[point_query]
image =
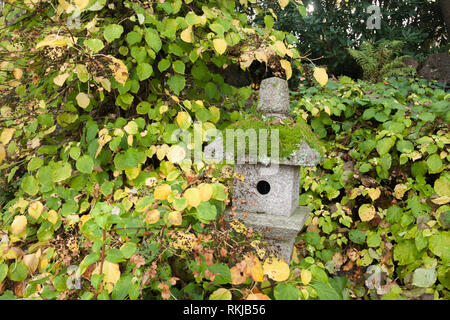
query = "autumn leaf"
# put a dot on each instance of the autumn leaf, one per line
(283, 3)
(35, 209)
(6, 135)
(162, 192)
(83, 100)
(366, 212)
(399, 191)
(119, 69)
(237, 277)
(19, 224)
(320, 74)
(220, 45)
(175, 218)
(206, 191)
(111, 272)
(2, 153)
(306, 276)
(152, 217)
(257, 296)
(276, 269)
(53, 40)
(60, 79)
(374, 194)
(186, 35)
(176, 154)
(287, 68)
(193, 197)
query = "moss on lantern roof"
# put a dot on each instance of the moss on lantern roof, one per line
(291, 134)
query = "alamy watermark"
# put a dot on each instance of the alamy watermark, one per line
(374, 21)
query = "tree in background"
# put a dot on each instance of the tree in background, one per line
(328, 27)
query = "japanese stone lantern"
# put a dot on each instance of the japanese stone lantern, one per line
(266, 198)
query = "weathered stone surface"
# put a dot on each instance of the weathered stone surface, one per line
(437, 67)
(274, 97)
(279, 230)
(304, 156)
(272, 189)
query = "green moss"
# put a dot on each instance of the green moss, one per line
(291, 134)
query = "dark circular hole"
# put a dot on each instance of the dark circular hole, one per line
(263, 187)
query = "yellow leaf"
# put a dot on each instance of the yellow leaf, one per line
(176, 154)
(152, 217)
(119, 69)
(306, 276)
(162, 192)
(374, 193)
(193, 197)
(206, 191)
(53, 40)
(2, 153)
(81, 4)
(399, 191)
(283, 3)
(186, 34)
(257, 296)
(83, 100)
(7, 135)
(111, 272)
(279, 45)
(162, 151)
(254, 268)
(35, 209)
(287, 67)
(441, 200)
(184, 120)
(52, 216)
(220, 45)
(366, 212)
(175, 218)
(320, 74)
(60, 79)
(276, 269)
(31, 261)
(17, 73)
(19, 224)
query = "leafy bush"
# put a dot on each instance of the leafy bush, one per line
(380, 199)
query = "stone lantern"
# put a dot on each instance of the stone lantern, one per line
(266, 198)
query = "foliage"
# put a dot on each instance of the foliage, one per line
(325, 32)
(101, 204)
(102, 201)
(381, 61)
(380, 199)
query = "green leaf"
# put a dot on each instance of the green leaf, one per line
(326, 291)
(384, 145)
(178, 66)
(439, 244)
(144, 71)
(176, 83)
(206, 211)
(128, 249)
(434, 163)
(357, 236)
(133, 37)
(85, 164)
(223, 274)
(3, 271)
(163, 65)
(153, 40)
(30, 185)
(220, 294)
(18, 271)
(424, 278)
(405, 252)
(94, 44)
(286, 291)
(121, 288)
(112, 32)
